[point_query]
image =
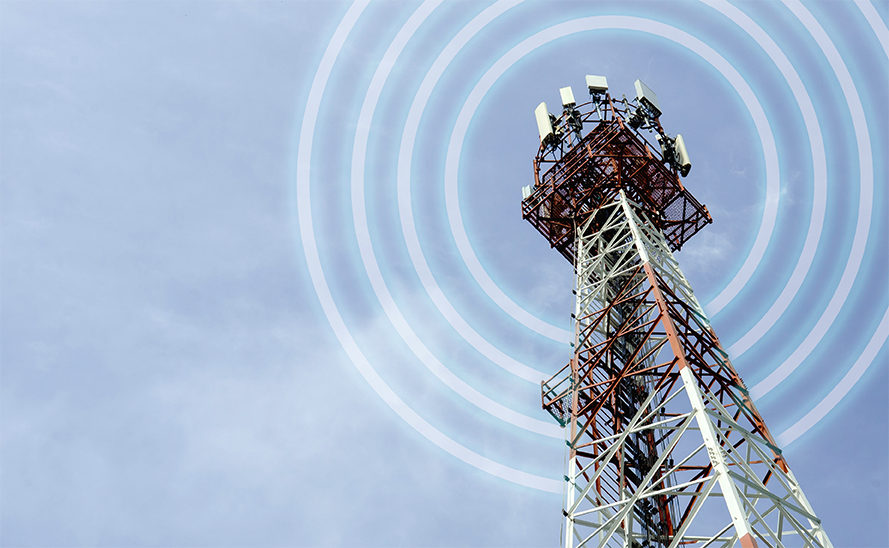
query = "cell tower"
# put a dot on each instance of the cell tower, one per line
(665, 445)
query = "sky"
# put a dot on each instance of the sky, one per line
(264, 279)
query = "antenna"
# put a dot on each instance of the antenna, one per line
(647, 98)
(567, 97)
(681, 156)
(544, 124)
(596, 84)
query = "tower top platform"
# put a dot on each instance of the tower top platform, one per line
(584, 171)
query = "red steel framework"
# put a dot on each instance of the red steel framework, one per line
(647, 368)
(590, 172)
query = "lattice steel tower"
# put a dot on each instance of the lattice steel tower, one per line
(666, 447)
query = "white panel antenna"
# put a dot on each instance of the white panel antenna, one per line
(682, 159)
(544, 125)
(596, 84)
(567, 97)
(647, 98)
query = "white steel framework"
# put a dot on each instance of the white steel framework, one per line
(666, 448)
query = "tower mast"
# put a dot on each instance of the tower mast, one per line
(666, 447)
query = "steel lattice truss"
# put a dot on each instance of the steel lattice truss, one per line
(666, 447)
(610, 157)
(658, 420)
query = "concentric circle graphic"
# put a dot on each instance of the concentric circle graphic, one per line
(418, 134)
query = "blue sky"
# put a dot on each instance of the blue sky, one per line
(264, 279)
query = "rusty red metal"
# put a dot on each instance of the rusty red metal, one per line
(611, 157)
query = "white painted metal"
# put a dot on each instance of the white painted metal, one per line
(717, 455)
(731, 503)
